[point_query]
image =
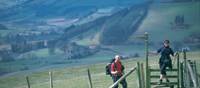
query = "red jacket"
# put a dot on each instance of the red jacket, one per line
(117, 66)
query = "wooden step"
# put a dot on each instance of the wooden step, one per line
(168, 76)
(163, 86)
(157, 70)
(164, 83)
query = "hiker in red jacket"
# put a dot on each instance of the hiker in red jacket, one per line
(117, 71)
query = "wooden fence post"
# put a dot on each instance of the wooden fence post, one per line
(28, 83)
(186, 72)
(50, 80)
(90, 79)
(196, 73)
(143, 76)
(178, 67)
(181, 74)
(139, 74)
(191, 74)
(146, 35)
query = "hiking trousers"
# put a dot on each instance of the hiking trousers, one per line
(123, 82)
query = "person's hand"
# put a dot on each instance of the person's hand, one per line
(173, 60)
(153, 53)
(116, 72)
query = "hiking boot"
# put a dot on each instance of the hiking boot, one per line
(160, 82)
(167, 80)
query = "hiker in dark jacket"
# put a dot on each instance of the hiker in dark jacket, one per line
(165, 60)
(117, 71)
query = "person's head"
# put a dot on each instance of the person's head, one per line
(117, 58)
(166, 43)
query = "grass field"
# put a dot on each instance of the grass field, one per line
(65, 76)
(76, 77)
(161, 15)
(158, 21)
(38, 59)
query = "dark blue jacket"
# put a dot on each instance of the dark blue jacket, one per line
(165, 54)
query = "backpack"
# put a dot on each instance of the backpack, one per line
(108, 67)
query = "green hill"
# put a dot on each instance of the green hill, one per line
(29, 10)
(160, 19)
(76, 77)
(109, 30)
(119, 27)
(157, 23)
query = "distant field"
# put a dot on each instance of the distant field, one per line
(157, 23)
(12, 30)
(76, 77)
(73, 74)
(42, 59)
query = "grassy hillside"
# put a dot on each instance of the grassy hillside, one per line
(109, 30)
(159, 20)
(120, 26)
(161, 15)
(158, 14)
(76, 77)
(157, 23)
(40, 9)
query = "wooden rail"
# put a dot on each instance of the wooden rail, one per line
(50, 80)
(90, 78)
(192, 74)
(28, 83)
(123, 77)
